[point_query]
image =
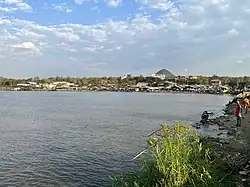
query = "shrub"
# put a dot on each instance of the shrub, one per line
(175, 158)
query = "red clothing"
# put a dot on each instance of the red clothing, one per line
(238, 110)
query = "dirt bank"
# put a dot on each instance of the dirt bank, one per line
(232, 143)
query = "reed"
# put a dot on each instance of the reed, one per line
(176, 157)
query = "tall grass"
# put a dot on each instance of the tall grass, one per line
(176, 158)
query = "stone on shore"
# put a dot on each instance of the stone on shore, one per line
(222, 128)
(233, 150)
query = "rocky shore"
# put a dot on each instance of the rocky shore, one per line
(231, 143)
(223, 153)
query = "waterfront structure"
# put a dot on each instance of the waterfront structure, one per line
(29, 84)
(62, 85)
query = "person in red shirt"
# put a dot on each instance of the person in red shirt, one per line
(238, 113)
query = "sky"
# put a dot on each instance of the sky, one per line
(80, 38)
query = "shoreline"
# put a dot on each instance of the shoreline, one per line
(225, 162)
(231, 142)
(94, 91)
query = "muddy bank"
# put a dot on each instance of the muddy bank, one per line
(222, 126)
(231, 143)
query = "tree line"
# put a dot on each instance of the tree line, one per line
(129, 81)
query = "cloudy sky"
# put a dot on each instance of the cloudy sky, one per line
(117, 37)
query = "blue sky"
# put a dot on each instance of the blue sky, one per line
(117, 37)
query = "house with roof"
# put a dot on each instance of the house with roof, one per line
(29, 85)
(175, 88)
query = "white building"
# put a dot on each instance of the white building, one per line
(161, 76)
(215, 82)
(29, 84)
(141, 84)
(62, 84)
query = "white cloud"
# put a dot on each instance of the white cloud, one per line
(10, 6)
(61, 7)
(158, 4)
(203, 35)
(23, 6)
(80, 1)
(114, 3)
(24, 45)
(239, 61)
(28, 49)
(66, 47)
(11, 1)
(233, 32)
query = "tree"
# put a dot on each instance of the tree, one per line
(242, 85)
(233, 83)
(36, 79)
(7, 83)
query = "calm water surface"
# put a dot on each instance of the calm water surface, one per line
(80, 139)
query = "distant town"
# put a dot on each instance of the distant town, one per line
(161, 81)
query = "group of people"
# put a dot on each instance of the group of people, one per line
(240, 105)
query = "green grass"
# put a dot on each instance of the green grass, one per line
(177, 158)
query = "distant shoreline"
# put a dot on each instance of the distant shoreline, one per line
(167, 92)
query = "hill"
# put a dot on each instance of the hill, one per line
(166, 73)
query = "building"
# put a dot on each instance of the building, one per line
(192, 77)
(175, 88)
(63, 83)
(60, 85)
(29, 85)
(215, 82)
(141, 84)
(158, 76)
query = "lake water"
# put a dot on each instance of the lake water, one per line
(80, 139)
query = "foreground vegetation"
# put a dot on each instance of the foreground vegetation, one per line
(177, 157)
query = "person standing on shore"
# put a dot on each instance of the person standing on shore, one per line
(245, 104)
(238, 113)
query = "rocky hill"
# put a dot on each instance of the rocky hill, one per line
(165, 72)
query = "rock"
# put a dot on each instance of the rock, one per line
(242, 142)
(219, 134)
(231, 132)
(243, 180)
(210, 123)
(243, 172)
(223, 141)
(234, 127)
(222, 128)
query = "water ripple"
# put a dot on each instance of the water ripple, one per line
(80, 139)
